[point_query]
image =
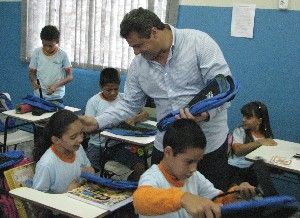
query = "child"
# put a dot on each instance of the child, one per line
(50, 68)
(60, 157)
(108, 96)
(175, 188)
(255, 132)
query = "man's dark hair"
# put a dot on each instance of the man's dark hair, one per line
(140, 21)
(184, 134)
(50, 33)
(109, 75)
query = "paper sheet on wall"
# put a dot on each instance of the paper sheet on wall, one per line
(242, 21)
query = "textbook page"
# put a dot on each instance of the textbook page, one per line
(100, 196)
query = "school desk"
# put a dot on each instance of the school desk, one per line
(27, 118)
(282, 156)
(142, 142)
(60, 203)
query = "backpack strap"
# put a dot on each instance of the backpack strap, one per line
(243, 206)
(118, 184)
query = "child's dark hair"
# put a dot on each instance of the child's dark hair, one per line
(259, 110)
(50, 33)
(109, 75)
(184, 134)
(56, 126)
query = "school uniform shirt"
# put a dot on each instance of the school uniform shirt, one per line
(54, 175)
(49, 70)
(239, 136)
(95, 106)
(194, 59)
(167, 202)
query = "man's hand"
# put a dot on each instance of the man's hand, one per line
(186, 114)
(131, 121)
(199, 207)
(90, 124)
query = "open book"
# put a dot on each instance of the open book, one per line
(100, 196)
(18, 177)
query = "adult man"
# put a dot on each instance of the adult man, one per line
(172, 66)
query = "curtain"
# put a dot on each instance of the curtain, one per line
(89, 28)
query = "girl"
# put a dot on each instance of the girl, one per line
(60, 157)
(255, 132)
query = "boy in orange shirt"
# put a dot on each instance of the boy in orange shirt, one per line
(175, 188)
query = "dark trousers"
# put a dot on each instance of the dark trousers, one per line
(214, 166)
(239, 175)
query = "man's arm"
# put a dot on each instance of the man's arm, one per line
(140, 117)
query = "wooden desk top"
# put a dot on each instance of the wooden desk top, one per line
(132, 139)
(28, 117)
(280, 156)
(59, 202)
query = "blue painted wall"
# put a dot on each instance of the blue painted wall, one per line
(14, 73)
(267, 66)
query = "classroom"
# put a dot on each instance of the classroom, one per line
(267, 66)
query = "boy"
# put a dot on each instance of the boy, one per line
(108, 96)
(175, 188)
(50, 68)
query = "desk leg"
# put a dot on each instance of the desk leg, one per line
(103, 157)
(38, 129)
(145, 150)
(4, 148)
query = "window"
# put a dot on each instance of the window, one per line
(89, 28)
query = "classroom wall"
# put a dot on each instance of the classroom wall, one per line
(267, 66)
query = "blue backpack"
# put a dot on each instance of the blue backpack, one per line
(219, 90)
(10, 158)
(49, 106)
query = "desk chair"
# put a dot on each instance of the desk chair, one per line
(12, 136)
(108, 164)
